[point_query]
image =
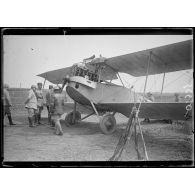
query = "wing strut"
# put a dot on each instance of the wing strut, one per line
(149, 60)
(120, 79)
(162, 86)
(44, 83)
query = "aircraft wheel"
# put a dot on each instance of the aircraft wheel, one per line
(69, 118)
(108, 123)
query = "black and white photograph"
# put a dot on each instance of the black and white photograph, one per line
(77, 98)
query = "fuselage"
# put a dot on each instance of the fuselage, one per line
(111, 97)
(83, 91)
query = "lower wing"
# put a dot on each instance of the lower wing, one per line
(173, 111)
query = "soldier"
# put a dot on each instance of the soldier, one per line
(176, 97)
(7, 104)
(48, 102)
(40, 103)
(57, 104)
(31, 106)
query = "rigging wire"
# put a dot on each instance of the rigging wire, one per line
(174, 80)
(154, 82)
(131, 84)
(171, 82)
(153, 85)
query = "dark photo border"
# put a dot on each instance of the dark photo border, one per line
(89, 31)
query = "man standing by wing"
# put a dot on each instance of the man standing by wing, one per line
(7, 104)
(31, 106)
(40, 102)
(48, 102)
(57, 104)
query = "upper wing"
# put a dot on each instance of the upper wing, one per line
(56, 76)
(174, 111)
(168, 58)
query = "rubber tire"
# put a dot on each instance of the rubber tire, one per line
(107, 128)
(69, 116)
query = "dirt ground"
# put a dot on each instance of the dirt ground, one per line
(85, 142)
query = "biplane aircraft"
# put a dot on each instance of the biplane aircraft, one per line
(89, 83)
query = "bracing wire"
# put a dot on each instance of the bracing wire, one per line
(174, 80)
(154, 82)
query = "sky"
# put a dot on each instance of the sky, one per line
(26, 56)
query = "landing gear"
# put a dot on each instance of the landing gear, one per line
(107, 123)
(69, 120)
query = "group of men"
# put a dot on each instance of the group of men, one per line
(54, 101)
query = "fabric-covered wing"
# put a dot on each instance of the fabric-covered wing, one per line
(168, 58)
(56, 76)
(173, 111)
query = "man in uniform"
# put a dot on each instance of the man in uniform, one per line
(176, 97)
(40, 102)
(57, 104)
(48, 102)
(31, 106)
(7, 104)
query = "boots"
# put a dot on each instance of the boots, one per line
(35, 117)
(10, 120)
(39, 119)
(58, 128)
(49, 118)
(31, 122)
(52, 123)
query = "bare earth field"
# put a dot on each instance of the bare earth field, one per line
(85, 142)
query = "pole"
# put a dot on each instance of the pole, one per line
(162, 86)
(144, 145)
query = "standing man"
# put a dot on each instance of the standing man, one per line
(31, 106)
(176, 97)
(40, 102)
(57, 104)
(48, 102)
(7, 104)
